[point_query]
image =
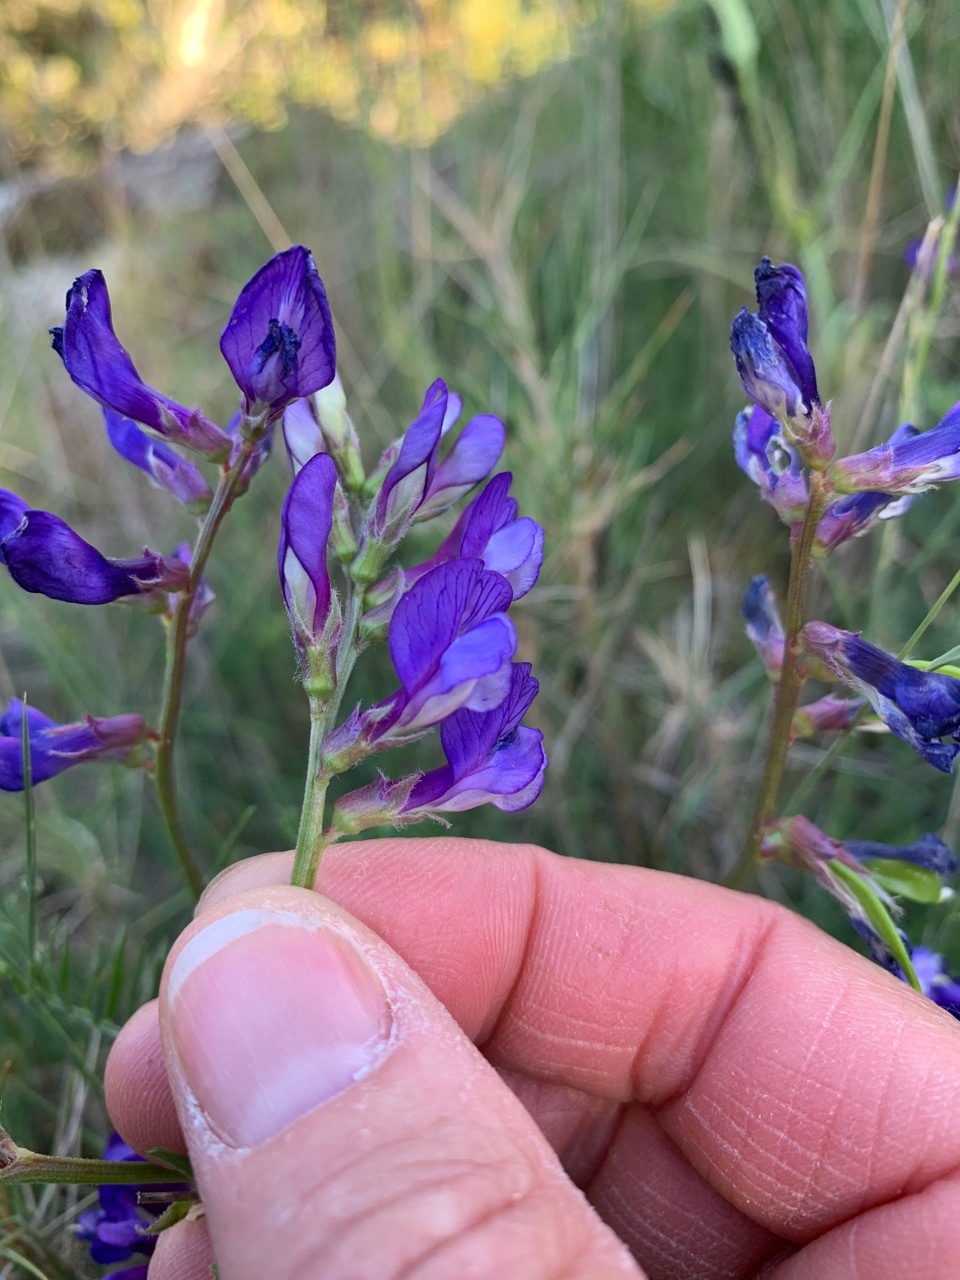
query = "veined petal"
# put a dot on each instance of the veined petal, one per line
(409, 478)
(279, 340)
(490, 759)
(471, 460)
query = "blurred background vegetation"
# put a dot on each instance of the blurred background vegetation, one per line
(556, 207)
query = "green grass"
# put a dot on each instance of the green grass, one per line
(568, 256)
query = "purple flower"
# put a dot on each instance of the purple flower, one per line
(43, 554)
(931, 970)
(853, 515)
(409, 478)
(56, 747)
(279, 340)
(929, 852)
(471, 460)
(451, 643)
(490, 758)
(764, 628)
(305, 524)
(162, 464)
(100, 366)
(119, 1228)
(489, 530)
(921, 707)
(770, 462)
(908, 463)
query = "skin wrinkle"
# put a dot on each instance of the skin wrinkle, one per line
(751, 1135)
(361, 1220)
(749, 959)
(517, 1201)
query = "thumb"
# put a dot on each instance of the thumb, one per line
(340, 1123)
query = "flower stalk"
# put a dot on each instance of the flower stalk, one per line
(178, 631)
(789, 684)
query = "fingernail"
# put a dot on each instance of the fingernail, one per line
(271, 1014)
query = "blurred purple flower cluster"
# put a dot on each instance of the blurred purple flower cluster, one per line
(784, 443)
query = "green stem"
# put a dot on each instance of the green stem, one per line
(310, 846)
(172, 699)
(312, 840)
(788, 686)
(17, 1164)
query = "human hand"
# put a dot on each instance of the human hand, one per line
(736, 1093)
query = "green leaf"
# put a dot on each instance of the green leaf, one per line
(173, 1160)
(877, 915)
(905, 879)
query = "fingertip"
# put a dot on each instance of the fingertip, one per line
(183, 1252)
(136, 1087)
(252, 873)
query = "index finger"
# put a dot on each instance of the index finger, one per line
(800, 1080)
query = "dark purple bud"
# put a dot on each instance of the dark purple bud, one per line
(451, 643)
(764, 371)
(162, 464)
(490, 758)
(408, 481)
(56, 747)
(910, 462)
(279, 340)
(43, 554)
(764, 628)
(305, 525)
(471, 460)
(100, 366)
(782, 299)
(771, 463)
(920, 707)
